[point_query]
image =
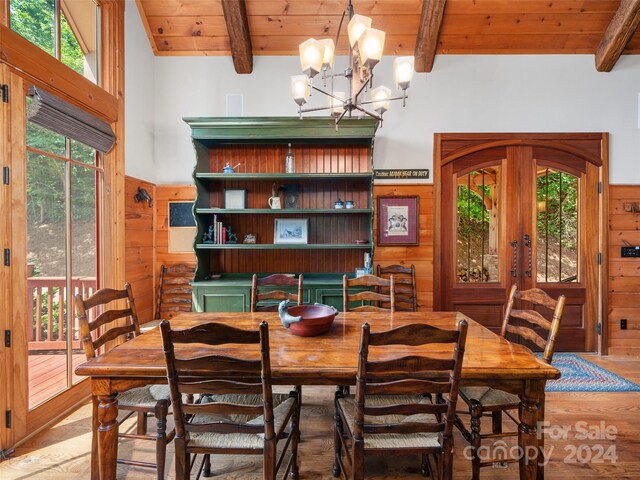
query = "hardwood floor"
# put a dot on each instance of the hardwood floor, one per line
(48, 375)
(62, 452)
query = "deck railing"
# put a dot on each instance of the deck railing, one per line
(46, 299)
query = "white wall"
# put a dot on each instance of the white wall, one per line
(139, 98)
(464, 93)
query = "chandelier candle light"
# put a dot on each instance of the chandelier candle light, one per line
(365, 51)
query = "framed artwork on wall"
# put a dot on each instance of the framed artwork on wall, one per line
(398, 220)
(291, 230)
(235, 198)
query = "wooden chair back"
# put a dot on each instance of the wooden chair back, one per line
(174, 290)
(405, 286)
(258, 295)
(218, 374)
(374, 296)
(534, 322)
(409, 374)
(102, 317)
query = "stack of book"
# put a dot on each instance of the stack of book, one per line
(219, 232)
(216, 233)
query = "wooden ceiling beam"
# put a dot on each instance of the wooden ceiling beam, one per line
(622, 27)
(428, 33)
(235, 16)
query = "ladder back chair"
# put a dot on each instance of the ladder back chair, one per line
(405, 286)
(236, 412)
(487, 401)
(174, 290)
(263, 295)
(373, 298)
(391, 412)
(144, 401)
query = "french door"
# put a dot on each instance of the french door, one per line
(523, 209)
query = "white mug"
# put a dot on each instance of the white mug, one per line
(274, 202)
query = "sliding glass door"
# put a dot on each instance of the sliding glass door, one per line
(63, 179)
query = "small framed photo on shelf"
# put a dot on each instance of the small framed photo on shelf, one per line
(398, 220)
(291, 230)
(235, 198)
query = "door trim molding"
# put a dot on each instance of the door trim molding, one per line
(521, 142)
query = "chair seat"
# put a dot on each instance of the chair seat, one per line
(349, 408)
(145, 397)
(490, 397)
(283, 406)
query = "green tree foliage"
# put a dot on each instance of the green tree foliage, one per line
(558, 220)
(35, 21)
(48, 177)
(473, 217)
(558, 192)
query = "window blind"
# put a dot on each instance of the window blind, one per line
(57, 115)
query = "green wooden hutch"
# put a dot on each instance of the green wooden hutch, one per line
(329, 165)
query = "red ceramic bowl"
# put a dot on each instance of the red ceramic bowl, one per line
(316, 319)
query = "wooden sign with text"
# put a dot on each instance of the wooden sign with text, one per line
(395, 174)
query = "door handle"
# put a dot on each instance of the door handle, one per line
(514, 270)
(527, 244)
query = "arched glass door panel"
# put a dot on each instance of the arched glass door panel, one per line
(477, 258)
(557, 222)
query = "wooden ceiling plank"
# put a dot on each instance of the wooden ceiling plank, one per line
(520, 42)
(333, 7)
(622, 27)
(396, 44)
(173, 8)
(428, 33)
(147, 26)
(305, 25)
(235, 14)
(190, 25)
(530, 23)
(317, 27)
(267, 45)
(489, 7)
(517, 44)
(194, 45)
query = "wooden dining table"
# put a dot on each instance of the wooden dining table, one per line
(329, 359)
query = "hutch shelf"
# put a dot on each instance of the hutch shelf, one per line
(329, 165)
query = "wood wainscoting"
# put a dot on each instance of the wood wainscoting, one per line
(140, 247)
(420, 255)
(624, 273)
(138, 263)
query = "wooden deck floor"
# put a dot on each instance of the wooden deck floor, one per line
(62, 452)
(48, 375)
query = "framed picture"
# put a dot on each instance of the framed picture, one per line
(235, 198)
(182, 227)
(291, 230)
(398, 220)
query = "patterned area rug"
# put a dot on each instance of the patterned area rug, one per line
(580, 375)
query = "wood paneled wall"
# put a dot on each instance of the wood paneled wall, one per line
(624, 273)
(140, 247)
(421, 255)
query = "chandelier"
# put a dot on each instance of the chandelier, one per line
(365, 51)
